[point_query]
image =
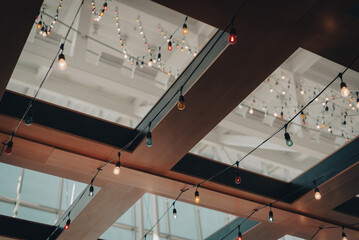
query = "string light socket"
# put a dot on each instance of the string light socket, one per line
(9, 146)
(91, 191)
(117, 170)
(181, 104)
(271, 218)
(149, 139)
(287, 138)
(343, 86)
(232, 39)
(67, 225)
(317, 194)
(174, 213)
(239, 237)
(196, 196)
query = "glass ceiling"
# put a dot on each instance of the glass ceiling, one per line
(288, 237)
(192, 222)
(35, 196)
(328, 123)
(104, 77)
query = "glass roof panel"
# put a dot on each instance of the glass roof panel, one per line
(328, 123)
(35, 196)
(105, 77)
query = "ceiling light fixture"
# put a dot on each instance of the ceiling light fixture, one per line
(62, 62)
(116, 170)
(181, 104)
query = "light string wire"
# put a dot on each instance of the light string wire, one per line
(289, 121)
(195, 186)
(323, 228)
(43, 81)
(266, 140)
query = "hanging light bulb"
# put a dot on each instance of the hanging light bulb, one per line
(275, 114)
(237, 178)
(38, 26)
(150, 63)
(9, 146)
(302, 115)
(138, 19)
(174, 213)
(239, 237)
(283, 92)
(271, 218)
(251, 111)
(28, 117)
(116, 170)
(288, 141)
(105, 6)
(344, 236)
(329, 128)
(67, 225)
(317, 194)
(281, 115)
(91, 191)
(61, 64)
(357, 104)
(196, 197)
(159, 55)
(102, 12)
(271, 90)
(170, 46)
(344, 89)
(184, 29)
(232, 39)
(149, 139)
(181, 104)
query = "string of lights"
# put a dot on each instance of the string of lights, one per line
(343, 235)
(44, 29)
(28, 114)
(181, 105)
(345, 93)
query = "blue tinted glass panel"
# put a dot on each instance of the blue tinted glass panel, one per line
(9, 177)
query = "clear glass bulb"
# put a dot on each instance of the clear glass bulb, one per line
(345, 91)
(251, 111)
(62, 64)
(116, 170)
(317, 195)
(357, 105)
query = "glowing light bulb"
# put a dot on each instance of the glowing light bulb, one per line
(105, 6)
(196, 197)
(344, 90)
(181, 104)
(318, 126)
(174, 213)
(67, 225)
(232, 39)
(185, 30)
(169, 46)
(150, 63)
(39, 25)
(283, 92)
(317, 194)
(149, 139)
(237, 178)
(357, 105)
(117, 170)
(159, 57)
(344, 237)
(323, 125)
(271, 90)
(251, 110)
(8, 149)
(61, 64)
(275, 114)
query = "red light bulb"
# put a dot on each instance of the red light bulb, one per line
(237, 178)
(8, 149)
(169, 46)
(67, 225)
(105, 6)
(232, 39)
(281, 115)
